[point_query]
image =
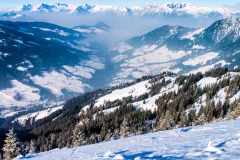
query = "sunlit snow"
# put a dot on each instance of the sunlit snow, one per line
(212, 141)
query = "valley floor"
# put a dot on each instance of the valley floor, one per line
(219, 140)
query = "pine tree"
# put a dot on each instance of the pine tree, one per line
(23, 148)
(115, 134)
(32, 147)
(218, 111)
(104, 130)
(124, 128)
(183, 120)
(144, 102)
(166, 121)
(60, 142)
(68, 144)
(201, 111)
(99, 138)
(235, 113)
(192, 116)
(108, 136)
(78, 136)
(201, 119)
(93, 138)
(11, 147)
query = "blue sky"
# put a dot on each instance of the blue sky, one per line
(208, 3)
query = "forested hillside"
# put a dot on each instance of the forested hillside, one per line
(178, 101)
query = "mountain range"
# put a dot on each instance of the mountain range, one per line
(67, 82)
(178, 49)
(43, 64)
(167, 10)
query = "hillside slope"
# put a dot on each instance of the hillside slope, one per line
(42, 63)
(162, 102)
(212, 141)
(178, 49)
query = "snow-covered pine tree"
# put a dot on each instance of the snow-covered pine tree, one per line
(23, 148)
(68, 145)
(115, 134)
(32, 147)
(93, 138)
(124, 128)
(99, 138)
(201, 119)
(166, 121)
(11, 147)
(183, 120)
(109, 135)
(235, 113)
(78, 136)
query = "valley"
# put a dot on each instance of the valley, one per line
(129, 75)
(55, 74)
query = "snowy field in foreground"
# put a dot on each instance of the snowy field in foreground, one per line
(220, 140)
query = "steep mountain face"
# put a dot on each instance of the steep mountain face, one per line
(178, 49)
(41, 62)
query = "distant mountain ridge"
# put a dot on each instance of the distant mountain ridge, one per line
(152, 10)
(97, 28)
(178, 49)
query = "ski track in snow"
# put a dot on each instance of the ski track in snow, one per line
(218, 140)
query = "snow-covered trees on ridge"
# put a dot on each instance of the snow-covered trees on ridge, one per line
(189, 105)
(11, 148)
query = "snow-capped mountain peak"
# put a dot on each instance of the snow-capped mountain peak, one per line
(226, 27)
(178, 5)
(81, 8)
(152, 9)
(57, 7)
(26, 7)
(43, 8)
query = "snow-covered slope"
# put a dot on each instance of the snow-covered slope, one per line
(32, 117)
(149, 103)
(219, 140)
(178, 49)
(136, 90)
(41, 63)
